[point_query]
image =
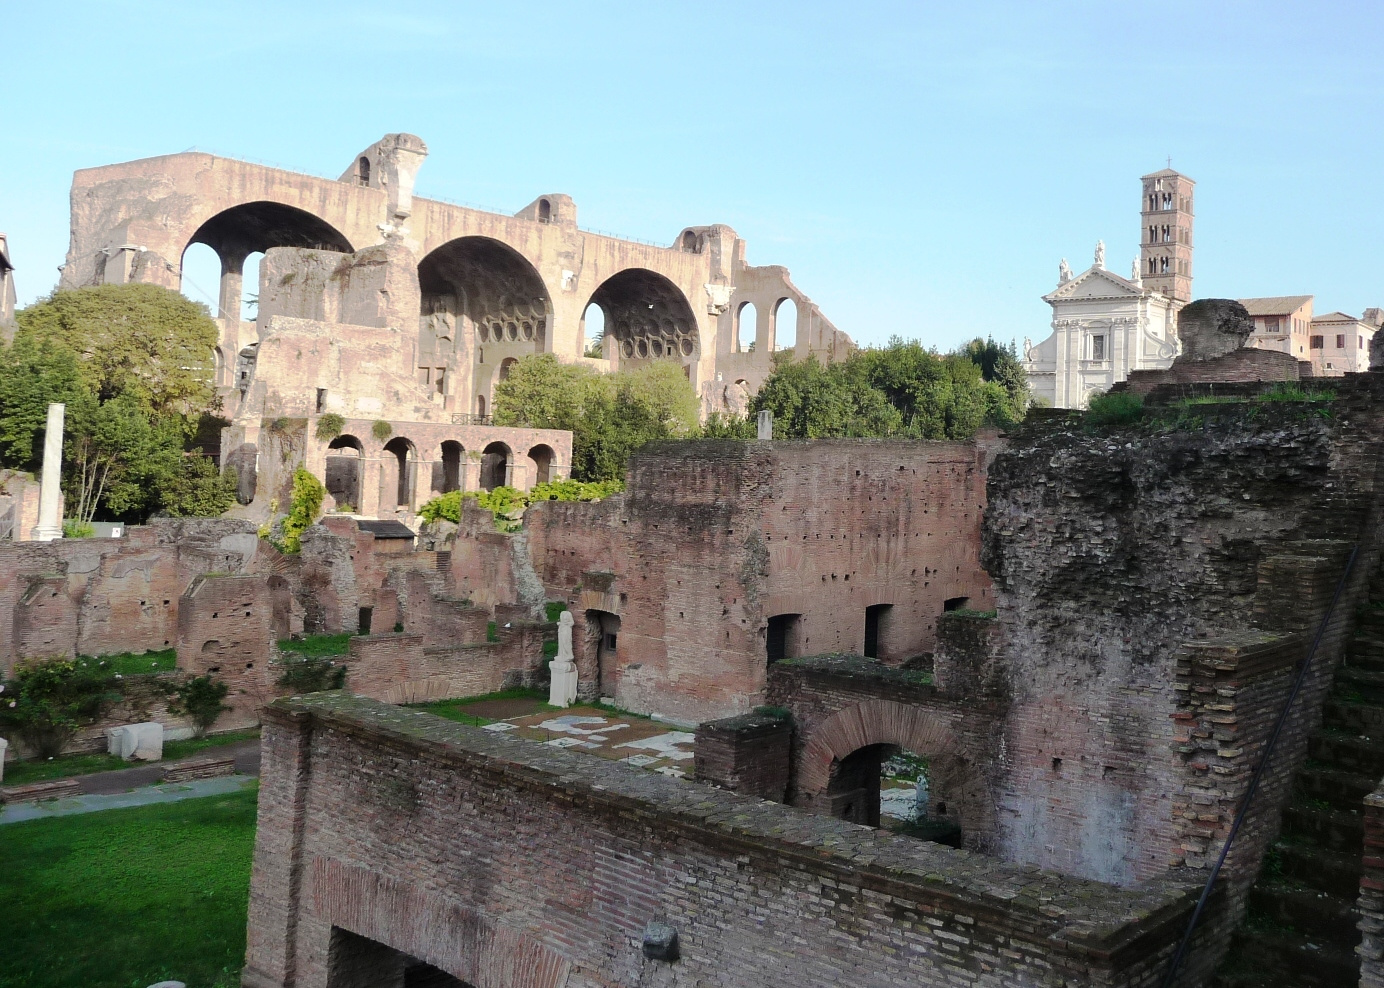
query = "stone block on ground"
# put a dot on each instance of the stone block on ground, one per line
(143, 742)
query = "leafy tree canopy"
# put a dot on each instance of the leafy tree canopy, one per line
(132, 363)
(609, 415)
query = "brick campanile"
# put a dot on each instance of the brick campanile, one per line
(1165, 237)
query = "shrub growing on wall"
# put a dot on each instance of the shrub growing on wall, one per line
(506, 502)
(381, 430)
(329, 426)
(1119, 408)
(308, 493)
(200, 699)
(46, 703)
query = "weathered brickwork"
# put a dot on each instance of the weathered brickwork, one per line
(101, 596)
(716, 547)
(749, 754)
(507, 863)
(1371, 902)
(406, 668)
(225, 630)
(1244, 365)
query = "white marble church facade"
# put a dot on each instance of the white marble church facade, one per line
(1103, 327)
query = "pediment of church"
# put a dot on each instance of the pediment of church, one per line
(1096, 283)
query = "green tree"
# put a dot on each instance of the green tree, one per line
(199, 489)
(47, 702)
(201, 699)
(118, 455)
(1000, 365)
(136, 341)
(34, 372)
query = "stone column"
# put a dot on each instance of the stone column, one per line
(764, 426)
(3, 745)
(50, 496)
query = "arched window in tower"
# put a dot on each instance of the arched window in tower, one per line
(545, 211)
(363, 170)
(689, 242)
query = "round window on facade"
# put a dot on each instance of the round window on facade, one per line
(528, 330)
(511, 331)
(656, 348)
(686, 347)
(627, 348)
(642, 348)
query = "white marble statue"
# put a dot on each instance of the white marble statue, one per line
(1064, 272)
(1100, 254)
(562, 686)
(1134, 274)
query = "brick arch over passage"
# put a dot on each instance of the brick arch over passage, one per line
(914, 728)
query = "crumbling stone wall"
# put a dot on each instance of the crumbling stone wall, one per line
(405, 668)
(402, 828)
(1129, 565)
(102, 596)
(1371, 901)
(712, 539)
(225, 630)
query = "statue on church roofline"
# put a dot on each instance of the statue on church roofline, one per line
(1100, 255)
(1134, 274)
(1064, 272)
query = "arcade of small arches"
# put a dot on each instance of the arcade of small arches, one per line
(397, 474)
(755, 335)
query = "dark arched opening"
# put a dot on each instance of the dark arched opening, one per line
(647, 318)
(542, 457)
(886, 785)
(689, 241)
(495, 461)
(545, 211)
(483, 287)
(506, 366)
(405, 462)
(452, 453)
(363, 170)
(783, 637)
(344, 471)
(602, 636)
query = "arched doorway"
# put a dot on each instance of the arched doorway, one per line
(542, 457)
(452, 458)
(344, 472)
(403, 459)
(495, 461)
(602, 641)
(647, 318)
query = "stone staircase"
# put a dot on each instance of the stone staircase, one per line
(1300, 931)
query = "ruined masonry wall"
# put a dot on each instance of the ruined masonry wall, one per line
(393, 824)
(725, 535)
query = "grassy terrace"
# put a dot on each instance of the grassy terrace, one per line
(127, 898)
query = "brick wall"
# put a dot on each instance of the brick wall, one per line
(225, 630)
(749, 754)
(112, 595)
(510, 863)
(408, 668)
(1371, 901)
(1245, 364)
(712, 539)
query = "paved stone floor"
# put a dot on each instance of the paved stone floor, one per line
(637, 741)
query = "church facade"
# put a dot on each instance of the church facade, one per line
(1105, 326)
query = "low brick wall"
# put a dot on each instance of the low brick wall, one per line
(490, 856)
(37, 791)
(403, 668)
(749, 754)
(1244, 365)
(199, 768)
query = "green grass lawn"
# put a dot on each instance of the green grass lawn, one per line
(126, 898)
(22, 773)
(315, 645)
(130, 664)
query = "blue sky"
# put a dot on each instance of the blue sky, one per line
(920, 168)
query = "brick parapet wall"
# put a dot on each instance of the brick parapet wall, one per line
(750, 754)
(1371, 901)
(403, 828)
(1240, 366)
(406, 668)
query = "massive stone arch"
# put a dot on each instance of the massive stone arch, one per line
(647, 317)
(481, 297)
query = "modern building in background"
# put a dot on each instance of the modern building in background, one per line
(1282, 323)
(1340, 344)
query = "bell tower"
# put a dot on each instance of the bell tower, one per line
(1165, 236)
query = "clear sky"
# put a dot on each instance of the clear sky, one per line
(920, 168)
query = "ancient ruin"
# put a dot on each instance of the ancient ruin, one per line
(387, 309)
